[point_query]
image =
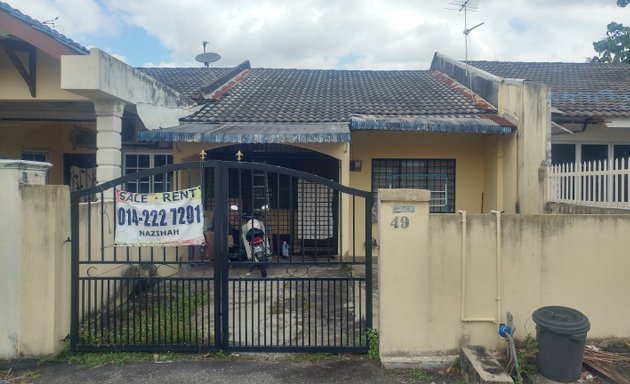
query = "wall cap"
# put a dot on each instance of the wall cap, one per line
(24, 165)
(418, 195)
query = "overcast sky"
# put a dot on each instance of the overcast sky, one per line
(343, 34)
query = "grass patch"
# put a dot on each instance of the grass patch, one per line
(419, 376)
(316, 357)
(162, 314)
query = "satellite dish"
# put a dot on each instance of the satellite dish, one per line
(207, 57)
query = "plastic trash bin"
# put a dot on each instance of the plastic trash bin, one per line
(561, 336)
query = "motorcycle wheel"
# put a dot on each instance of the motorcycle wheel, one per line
(263, 271)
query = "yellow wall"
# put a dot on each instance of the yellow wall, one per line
(544, 260)
(48, 85)
(50, 137)
(468, 150)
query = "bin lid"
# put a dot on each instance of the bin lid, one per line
(561, 320)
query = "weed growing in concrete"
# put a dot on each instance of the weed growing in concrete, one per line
(372, 339)
(420, 377)
(526, 354)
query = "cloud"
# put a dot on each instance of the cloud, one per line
(372, 34)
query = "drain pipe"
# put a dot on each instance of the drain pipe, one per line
(498, 263)
(463, 317)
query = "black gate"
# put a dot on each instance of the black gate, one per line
(309, 290)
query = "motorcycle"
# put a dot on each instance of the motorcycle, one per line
(254, 240)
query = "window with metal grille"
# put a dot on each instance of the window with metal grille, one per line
(135, 162)
(436, 175)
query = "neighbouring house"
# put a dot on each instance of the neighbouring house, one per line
(54, 112)
(590, 117)
(590, 106)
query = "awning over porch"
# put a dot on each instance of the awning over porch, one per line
(255, 133)
(482, 124)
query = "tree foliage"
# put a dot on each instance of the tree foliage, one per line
(615, 47)
(622, 3)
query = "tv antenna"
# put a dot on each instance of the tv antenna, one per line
(51, 22)
(207, 57)
(467, 6)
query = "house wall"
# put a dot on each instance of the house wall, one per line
(544, 260)
(48, 79)
(50, 137)
(527, 154)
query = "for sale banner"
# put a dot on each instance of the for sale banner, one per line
(159, 219)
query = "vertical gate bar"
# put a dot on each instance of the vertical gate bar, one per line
(328, 311)
(178, 292)
(334, 312)
(303, 316)
(277, 242)
(347, 312)
(88, 232)
(278, 319)
(114, 323)
(246, 311)
(196, 310)
(159, 309)
(321, 311)
(233, 324)
(354, 309)
(133, 316)
(258, 311)
(203, 324)
(240, 308)
(170, 338)
(265, 312)
(115, 219)
(74, 271)
(190, 338)
(315, 314)
(221, 186)
(354, 231)
(292, 237)
(271, 314)
(309, 312)
(290, 312)
(124, 304)
(368, 259)
(361, 312)
(102, 214)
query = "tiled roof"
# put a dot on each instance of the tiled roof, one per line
(44, 28)
(578, 89)
(311, 96)
(187, 81)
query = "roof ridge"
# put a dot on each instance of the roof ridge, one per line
(224, 79)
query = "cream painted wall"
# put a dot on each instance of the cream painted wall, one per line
(468, 150)
(546, 260)
(48, 71)
(52, 138)
(528, 153)
(44, 288)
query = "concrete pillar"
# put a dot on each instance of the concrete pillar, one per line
(12, 174)
(108, 140)
(403, 225)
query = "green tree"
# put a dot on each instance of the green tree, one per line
(615, 47)
(622, 3)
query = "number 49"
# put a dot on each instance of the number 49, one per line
(400, 222)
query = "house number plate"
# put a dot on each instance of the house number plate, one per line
(404, 209)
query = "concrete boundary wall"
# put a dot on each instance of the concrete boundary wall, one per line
(579, 261)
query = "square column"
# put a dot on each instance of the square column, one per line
(108, 140)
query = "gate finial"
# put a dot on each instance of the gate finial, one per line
(202, 154)
(239, 155)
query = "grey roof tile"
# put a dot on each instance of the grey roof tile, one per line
(596, 90)
(310, 96)
(187, 81)
(44, 28)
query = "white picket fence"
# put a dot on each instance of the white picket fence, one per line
(597, 183)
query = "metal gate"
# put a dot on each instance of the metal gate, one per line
(316, 296)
